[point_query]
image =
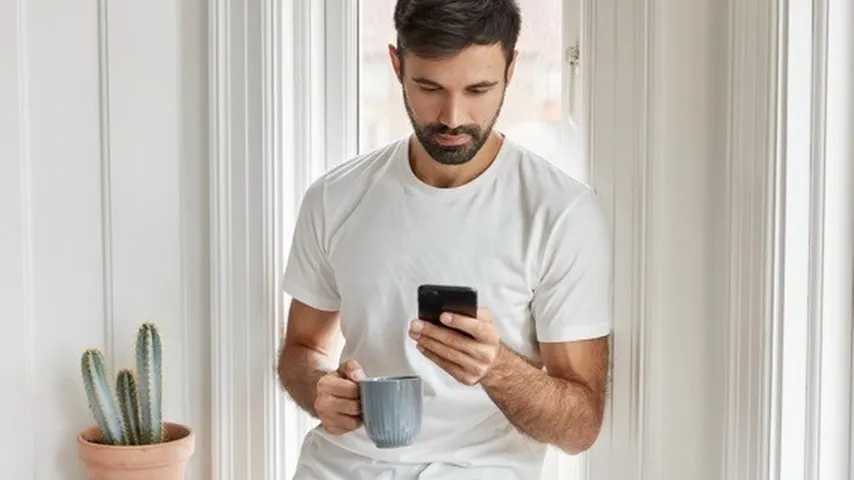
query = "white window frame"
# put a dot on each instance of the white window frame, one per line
(789, 340)
(263, 157)
(268, 130)
(332, 52)
(819, 51)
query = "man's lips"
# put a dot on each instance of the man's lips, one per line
(452, 140)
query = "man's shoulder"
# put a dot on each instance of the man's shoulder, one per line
(359, 169)
(342, 186)
(546, 184)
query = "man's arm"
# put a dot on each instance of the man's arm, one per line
(563, 405)
(308, 352)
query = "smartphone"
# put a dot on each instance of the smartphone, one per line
(435, 299)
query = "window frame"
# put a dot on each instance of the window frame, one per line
(268, 129)
(335, 137)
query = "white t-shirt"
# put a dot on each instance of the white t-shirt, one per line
(532, 241)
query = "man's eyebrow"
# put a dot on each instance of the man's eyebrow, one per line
(426, 81)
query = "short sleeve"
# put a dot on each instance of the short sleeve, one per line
(572, 300)
(309, 276)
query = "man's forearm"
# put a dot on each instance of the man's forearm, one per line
(299, 370)
(549, 409)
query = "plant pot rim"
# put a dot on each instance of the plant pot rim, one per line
(186, 435)
(157, 459)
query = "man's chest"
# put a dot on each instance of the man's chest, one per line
(481, 243)
(383, 253)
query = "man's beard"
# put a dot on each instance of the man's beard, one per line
(456, 154)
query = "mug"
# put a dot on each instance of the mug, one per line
(392, 408)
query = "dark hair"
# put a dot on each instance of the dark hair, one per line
(441, 28)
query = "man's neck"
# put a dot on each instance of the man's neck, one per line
(439, 175)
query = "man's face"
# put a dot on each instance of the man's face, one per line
(453, 103)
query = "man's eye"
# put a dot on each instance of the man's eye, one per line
(478, 92)
(429, 89)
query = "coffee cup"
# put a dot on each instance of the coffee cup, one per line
(391, 409)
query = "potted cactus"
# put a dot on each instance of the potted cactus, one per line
(130, 440)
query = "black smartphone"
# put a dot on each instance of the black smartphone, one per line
(435, 299)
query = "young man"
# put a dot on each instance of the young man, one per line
(456, 203)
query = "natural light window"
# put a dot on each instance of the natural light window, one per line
(533, 113)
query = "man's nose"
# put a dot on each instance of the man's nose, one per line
(453, 112)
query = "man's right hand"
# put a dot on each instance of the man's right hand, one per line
(337, 401)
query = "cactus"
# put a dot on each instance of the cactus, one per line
(129, 403)
(136, 419)
(148, 365)
(101, 400)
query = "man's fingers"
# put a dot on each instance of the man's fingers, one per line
(450, 354)
(479, 329)
(339, 387)
(352, 370)
(348, 422)
(450, 337)
(337, 401)
(327, 405)
(345, 406)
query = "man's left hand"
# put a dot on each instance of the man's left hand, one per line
(467, 359)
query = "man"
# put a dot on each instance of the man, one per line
(456, 203)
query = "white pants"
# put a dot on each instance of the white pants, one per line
(322, 460)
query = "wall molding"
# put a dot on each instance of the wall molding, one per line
(754, 163)
(272, 259)
(222, 361)
(218, 103)
(816, 298)
(619, 86)
(26, 198)
(246, 237)
(106, 180)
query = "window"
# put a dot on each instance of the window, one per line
(536, 111)
(344, 99)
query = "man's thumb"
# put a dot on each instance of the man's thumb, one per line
(352, 370)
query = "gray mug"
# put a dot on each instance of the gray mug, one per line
(391, 409)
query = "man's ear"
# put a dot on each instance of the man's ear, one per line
(512, 67)
(395, 62)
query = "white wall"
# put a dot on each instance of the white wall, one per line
(659, 119)
(686, 239)
(103, 214)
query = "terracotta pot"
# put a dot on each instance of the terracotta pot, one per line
(163, 461)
